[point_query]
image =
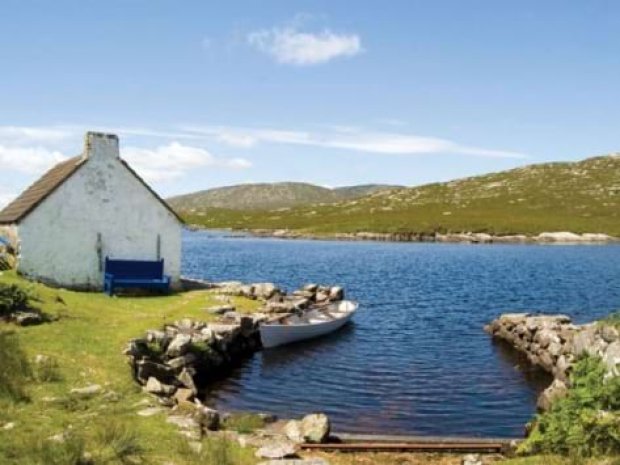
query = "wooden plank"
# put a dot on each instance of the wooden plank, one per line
(410, 446)
(361, 438)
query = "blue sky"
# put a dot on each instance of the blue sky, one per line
(205, 94)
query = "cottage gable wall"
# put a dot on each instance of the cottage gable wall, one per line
(101, 210)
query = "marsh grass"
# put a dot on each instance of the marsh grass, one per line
(15, 371)
(214, 451)
(13, 298)
(244, 423)
(46, 370)
(118, 443)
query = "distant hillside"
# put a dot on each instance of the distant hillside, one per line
(268, 196)
(580, 197)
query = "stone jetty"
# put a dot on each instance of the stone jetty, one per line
(176, 362)
(553, 343)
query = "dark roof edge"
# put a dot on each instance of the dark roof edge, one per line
(23, 214)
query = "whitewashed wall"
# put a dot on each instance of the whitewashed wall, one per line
(58, 240)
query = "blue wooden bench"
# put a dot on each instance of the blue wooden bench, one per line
(139, 274)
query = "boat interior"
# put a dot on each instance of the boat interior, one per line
(315, 315)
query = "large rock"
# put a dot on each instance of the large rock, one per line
(612, 358)
(584, 340)
(277, 450)
(292, 430)
(88, 391)
(187, 380)
(313, 428)
(555, 391)
(221, 309)
(154, 386)
(179, 345)
(265, 290)
(208, 418)
(609, 334)
(471, 459)
(27, 318)
(146, 369)
(178, 363)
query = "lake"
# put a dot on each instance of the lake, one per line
(415, 360)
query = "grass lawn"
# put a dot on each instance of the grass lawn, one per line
(87, 343)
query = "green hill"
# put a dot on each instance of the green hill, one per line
(579, 197)
(268, 196)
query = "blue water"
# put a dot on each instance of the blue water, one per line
(415, 360)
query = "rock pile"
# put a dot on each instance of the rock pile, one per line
(554, 343)
(174, 362)
(277, 300)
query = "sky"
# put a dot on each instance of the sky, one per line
(206, 94)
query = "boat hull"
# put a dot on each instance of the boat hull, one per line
(278, 335)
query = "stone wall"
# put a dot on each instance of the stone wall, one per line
(176, 361)
(554, 343)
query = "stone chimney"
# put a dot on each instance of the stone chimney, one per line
(101, 146)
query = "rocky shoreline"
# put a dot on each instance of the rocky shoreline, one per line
(563, 237)
(176, 363)
(554, 343)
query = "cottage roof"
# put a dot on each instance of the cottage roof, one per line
(50, 181)
(40, 190)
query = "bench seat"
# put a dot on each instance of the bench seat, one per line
(140, 274)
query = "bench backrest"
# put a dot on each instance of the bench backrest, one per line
(140, 269)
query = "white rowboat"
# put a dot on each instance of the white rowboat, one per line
(312, 323)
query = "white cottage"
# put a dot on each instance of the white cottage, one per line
(87, 208)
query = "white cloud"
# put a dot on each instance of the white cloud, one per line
(29, 160)
(34, 134)
(290, 46)
(354, 139)
(175, 160)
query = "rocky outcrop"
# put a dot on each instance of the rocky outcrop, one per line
(275, 299)
(554, 343)
(176, 361)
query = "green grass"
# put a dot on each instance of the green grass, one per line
(612, 320)
(585, 423)
(578, 197)
(560, 460)
(85, 346)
